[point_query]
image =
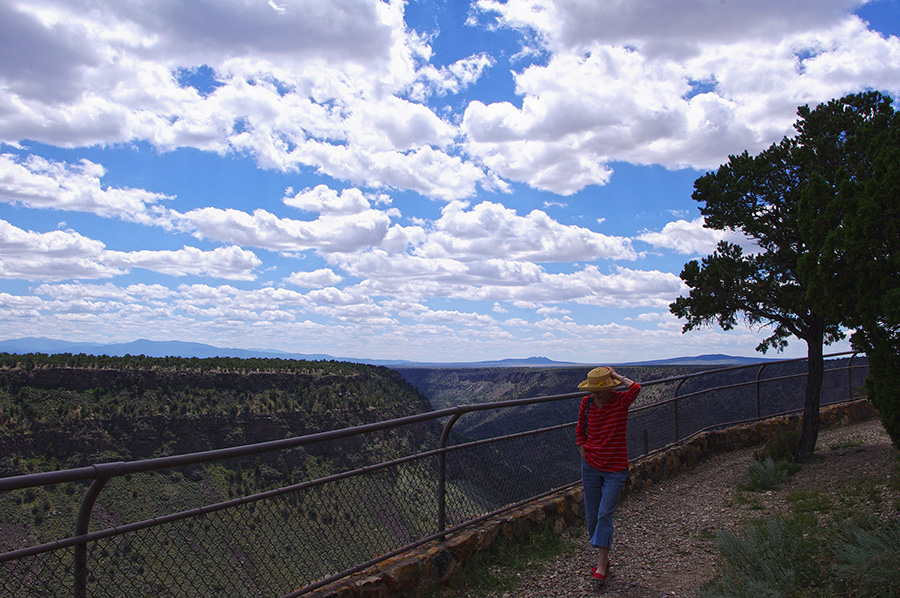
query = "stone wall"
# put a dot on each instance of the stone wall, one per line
(411, 573)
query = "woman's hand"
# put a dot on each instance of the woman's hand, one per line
(581, 450)
(616, 376)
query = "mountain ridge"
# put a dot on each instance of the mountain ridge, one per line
(201, 350)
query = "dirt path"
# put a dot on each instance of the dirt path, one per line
(665, 536)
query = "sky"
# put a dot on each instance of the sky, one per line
(431, 180)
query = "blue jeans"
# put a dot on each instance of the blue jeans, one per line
(601, 492)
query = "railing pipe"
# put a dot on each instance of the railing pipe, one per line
(675, 417)
(732, 368)
(155, 464)
(442, 475)
(758, 384)
(675, 407)
(82, 525)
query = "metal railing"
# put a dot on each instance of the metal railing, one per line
(165, 527)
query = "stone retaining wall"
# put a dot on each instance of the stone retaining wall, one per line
(410, 574)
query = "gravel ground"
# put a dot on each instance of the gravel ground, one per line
(665, 535)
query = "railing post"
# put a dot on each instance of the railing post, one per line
(82, 525)
(442, 475)
(675, 407)
(850, 377)
(758, 379)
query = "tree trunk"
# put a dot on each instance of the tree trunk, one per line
(809, 430)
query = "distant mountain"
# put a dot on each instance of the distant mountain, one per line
(502, 363)
(201, 350)
(160, 349)
(711, 360)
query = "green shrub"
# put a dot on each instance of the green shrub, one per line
(499, 569)
(883, 386)
(767, 475)
(806, 500)
(802, 556)
(776, 557)
(779, 447)
(868, 559)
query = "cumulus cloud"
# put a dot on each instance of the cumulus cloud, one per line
(319, 83)
(693, 238)
(347, 222)
(425, 170)
(676, 84)
(493, 230)
(325, 200)
(658, 26)
(378, 126)
(266, 230)
(67, 255)
(488, 252)
(57, 255)
(450, 79)
(40, 183)
(323, 277)
(342, 86)
(231, 263)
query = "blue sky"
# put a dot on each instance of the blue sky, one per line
(431, 180)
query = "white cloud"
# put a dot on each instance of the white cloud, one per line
(428, 171)
(399, 238)
(677, 84)
(323, 277)
(495, 280)
(232, 263)
(78, 290)
(57, 255)
(334, 296)
(65, 255)
(393, 124)
(360, 327)
(325, 200)
(649, 317)
(303, 33)
(40, 183)
(493, 230)
(25, 306)
(317, 83)
(450, 79)
(662, 27)
(266, 230)
(693, 238)
(340, 85)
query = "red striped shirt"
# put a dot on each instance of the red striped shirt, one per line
(604, 441)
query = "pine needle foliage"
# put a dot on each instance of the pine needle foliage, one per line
(868, 559)
(778, 557)
(767, 474)
(808, 554)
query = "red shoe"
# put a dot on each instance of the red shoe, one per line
(597, 575)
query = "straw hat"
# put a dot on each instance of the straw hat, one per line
(599, 379)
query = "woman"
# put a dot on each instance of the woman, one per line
(600, 436)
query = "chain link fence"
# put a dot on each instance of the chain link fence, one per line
(224, 523)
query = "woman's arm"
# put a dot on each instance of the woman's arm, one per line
(629, 394)
(622, 379)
